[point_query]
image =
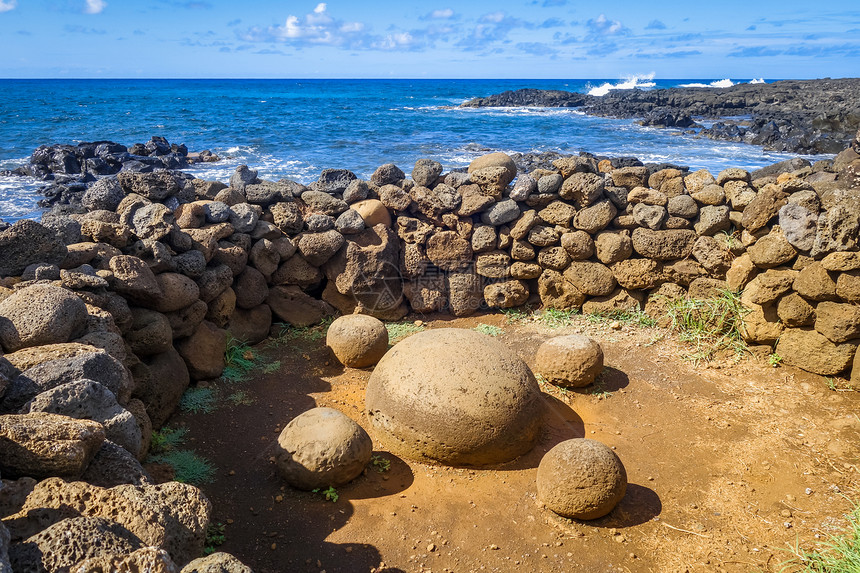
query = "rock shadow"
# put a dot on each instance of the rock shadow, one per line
(639, 505)
(561, 423)
(610, 380)
(380, 479)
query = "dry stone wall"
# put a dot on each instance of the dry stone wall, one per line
(162, 267)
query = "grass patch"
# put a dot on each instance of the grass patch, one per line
(166, 439)
(187, 466)
(198, 401)
(240, 398)
(555, 317)
(288, 333)
(240, 359)
(637, 317)
(710, 325)
(488, 329)
(397, 331)
(271, 367)
(518, 314)
(839, 554)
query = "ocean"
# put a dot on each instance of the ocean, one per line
(296, 128)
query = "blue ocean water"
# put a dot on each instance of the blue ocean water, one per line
(296, 128)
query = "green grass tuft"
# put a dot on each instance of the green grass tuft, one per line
(489, 329)
(710, 325)
(198, 401)
(239, 358)
(288, 333)
(187, 466)
(271, 367)
(240, 397)
(330, 493)
(517, 314)
(380, 463)
(166, 439)
(397, 331)
(839, 554)
(555, 317)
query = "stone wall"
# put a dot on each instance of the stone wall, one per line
(165, 266)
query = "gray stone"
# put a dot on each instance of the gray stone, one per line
(799, 224)
(349, 222)
(89, 400)
(106, 193)
(319, 223)
(426, 172)
(650, 216)
(712, 220)
(501, 213)
(243, 217)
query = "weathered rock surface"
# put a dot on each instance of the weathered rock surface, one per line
(581, 479)
(322, 448)
(454, 396)
(571, 361)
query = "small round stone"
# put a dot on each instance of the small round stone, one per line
(357, 340)
(571, 361)
(581, 479)
(321, 448)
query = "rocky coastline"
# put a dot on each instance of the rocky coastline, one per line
(112, 307)
(796, 116)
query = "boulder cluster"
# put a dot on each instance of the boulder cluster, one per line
(109, 311)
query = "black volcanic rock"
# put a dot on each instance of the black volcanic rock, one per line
(800, 116)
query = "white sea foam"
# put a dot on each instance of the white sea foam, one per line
(726, 83)
(757, 81)
(628, 83)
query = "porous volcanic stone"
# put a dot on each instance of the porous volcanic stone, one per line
(322, 447)
(571, 361)
(813, 352)
(454, 396)
(218, 562)
(41, 445)
(357, 340)
(40, 314)
(581, 479)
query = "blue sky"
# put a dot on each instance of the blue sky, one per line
(437, 39)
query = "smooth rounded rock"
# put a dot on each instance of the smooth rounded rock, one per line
(321, 448)
(581, 479)
(571, 361)
(40, 314)
(357, 340)
(454, 396)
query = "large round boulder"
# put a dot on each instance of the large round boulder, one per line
(40, 314)
(571, 361)
(322, 447)
(454, 396)
(357, 340)
(581, 479)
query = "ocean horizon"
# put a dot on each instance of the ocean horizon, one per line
(295, 128)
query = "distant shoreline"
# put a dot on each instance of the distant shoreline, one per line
(797, 116)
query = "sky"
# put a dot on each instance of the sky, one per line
(429, 39)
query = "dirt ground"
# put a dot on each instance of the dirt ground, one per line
(729, 464)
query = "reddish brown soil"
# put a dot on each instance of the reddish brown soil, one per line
(728, 465)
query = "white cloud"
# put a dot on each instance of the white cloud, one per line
(442, 14)
(603, 25)
(320, 8)
(6, 5)
(95, 6)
